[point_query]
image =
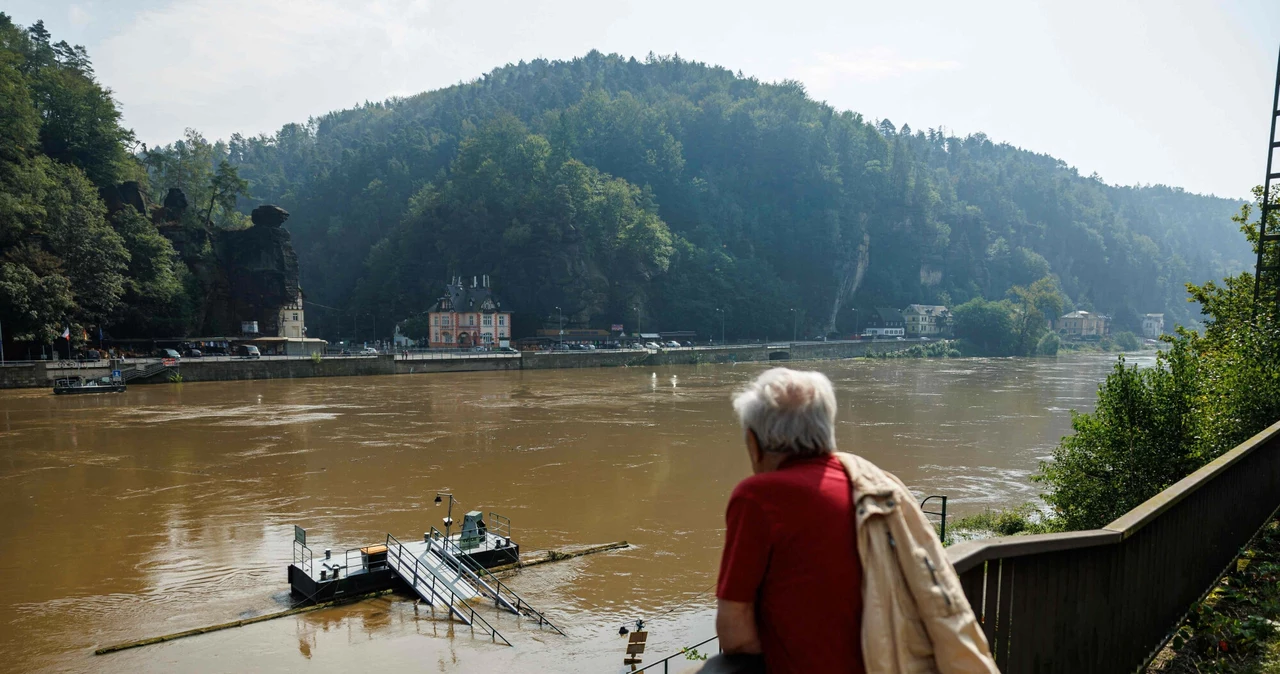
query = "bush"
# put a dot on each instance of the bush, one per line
(1127, 341)
(1048, 345)
(1024, 519)
(1152, 427)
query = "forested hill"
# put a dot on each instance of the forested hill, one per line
(609, 186)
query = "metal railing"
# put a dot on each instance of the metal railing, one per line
(1107, 599)
(302, 557)
(488, 583)
(427, 584)
(665, 662)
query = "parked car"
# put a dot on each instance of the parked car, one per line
(506, 349)
(689, 344)
(167, 353)
(195, 353)
(368, 351)
(479, 349)
(561, 347)
(651, 345)
(247, 351)
(673, 344)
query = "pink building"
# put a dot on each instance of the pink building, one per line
(469, 316)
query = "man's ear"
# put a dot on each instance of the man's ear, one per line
(753, 447)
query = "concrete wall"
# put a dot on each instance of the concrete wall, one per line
(28, 375)
(461, 365)
(25, 375)
(226, 370)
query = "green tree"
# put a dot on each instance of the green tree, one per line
(987, 325)
(1205, 395)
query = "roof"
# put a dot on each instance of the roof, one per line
(1160, 316)
(469, 298)
(889, 315)
(926, 309)
(1083, 314)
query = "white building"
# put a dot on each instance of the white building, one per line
(1152, 325)
(925, 320)
(292, 323)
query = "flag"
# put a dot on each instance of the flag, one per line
(66, 333)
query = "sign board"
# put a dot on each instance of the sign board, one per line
(299, 534)
(115, 374)
(617, 327)
(169, 362)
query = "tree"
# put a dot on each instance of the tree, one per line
(986, 325)
(1205, 395)
(225, 188)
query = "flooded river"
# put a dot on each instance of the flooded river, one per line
(172, 507)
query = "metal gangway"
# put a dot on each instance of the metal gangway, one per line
(484, 582)
(438, 584)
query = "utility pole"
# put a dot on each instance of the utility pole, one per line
(637, 308)
(721, 312)
(559, 325)
(795, 321)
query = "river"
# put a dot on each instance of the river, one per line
(171, 507)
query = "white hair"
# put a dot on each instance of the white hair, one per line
(790, 412)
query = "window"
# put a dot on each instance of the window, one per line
(295, 317)
(471, 320)
(502, 319)
(488, 320)
(435, 320)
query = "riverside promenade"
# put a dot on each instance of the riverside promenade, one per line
(40, 374)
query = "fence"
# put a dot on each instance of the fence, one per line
(1105, 600)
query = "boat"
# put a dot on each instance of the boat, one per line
(76, 385)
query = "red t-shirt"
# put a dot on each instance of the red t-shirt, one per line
(790, 548)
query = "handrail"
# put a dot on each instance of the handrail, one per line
(475, 567)
(673, 656)
(451, 601)
(969, 554)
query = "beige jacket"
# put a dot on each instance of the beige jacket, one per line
(915, 618)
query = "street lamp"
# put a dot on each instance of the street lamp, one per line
(448, 520)
(795, 320)
(559, 325)
(856, 334)
(721, 312)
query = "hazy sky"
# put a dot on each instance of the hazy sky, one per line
(1159, 91)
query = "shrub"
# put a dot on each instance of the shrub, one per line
(1048, 345)
(1152, 427)
(1127, 341)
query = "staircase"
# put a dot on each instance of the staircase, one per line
(485, 583)
(438, 584)
(148, 370)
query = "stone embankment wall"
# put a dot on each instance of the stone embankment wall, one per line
(34, 375)
(23, 375)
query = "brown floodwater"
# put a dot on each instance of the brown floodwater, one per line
(172, 507)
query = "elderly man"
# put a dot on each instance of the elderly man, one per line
(829, 565)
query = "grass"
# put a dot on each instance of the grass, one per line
(1237, 627)
(1021, 520)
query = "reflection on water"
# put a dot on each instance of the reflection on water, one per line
(171, 507)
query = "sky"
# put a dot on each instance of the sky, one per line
(1137, 91)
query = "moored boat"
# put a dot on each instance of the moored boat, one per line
(77, 385)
